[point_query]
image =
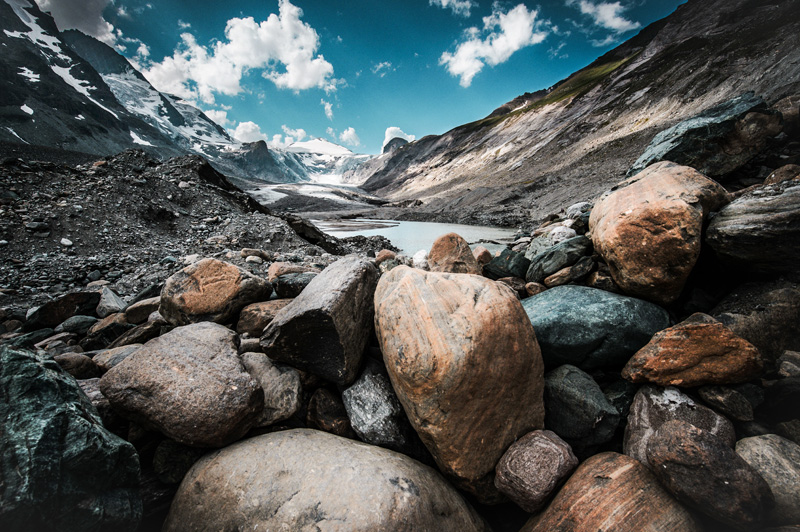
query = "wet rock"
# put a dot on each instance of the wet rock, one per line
(76, 324)
(289, 285)
(533, 468)
(58, 310)
(210, 290)
(61, 469)
(577, 410)
(653, 406)
(188, 384)
(507, 264)
(281, 387)
(325, 329)
(746, 233)
(648, 229)
(465, 364)
(327, 413)
(451, 253)
(777, 460)
(696, 352)
(704, 473)
(326, 482)
(256, 316)
(591, 328)
(78, 365)
(138, 312)
(110, 303)
(611, 491)
(558, 257)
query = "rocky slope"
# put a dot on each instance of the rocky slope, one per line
(582, 135)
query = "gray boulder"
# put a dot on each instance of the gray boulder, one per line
(281, 387)
(557, 257)
(777, 460)
(508, 264)
(591, 328)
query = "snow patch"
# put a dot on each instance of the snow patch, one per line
(318, 146)
(80, 117)
(139, 140)
(27, 109)
(28, 74)
(15, 134)
(37, 35)
(81, 86)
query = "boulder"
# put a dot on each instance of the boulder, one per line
(172, 460)
(140, 334)
(326, 483)
(451, 253)
(188, 384)
(326, 412)
(533, 468)
(648, 228)
(784, 173)
(106, 331)
(696, 352)
(718, 140)
(557, 257)
(289, 285)
(60, 469)
(727, 401)
(110, 303)
(590, 328)
(76, 324)
(577, 410)
(653, 406)
(517, 284)
(108, 358)
(276, 269)
(58, 310)
(384, 255)
(777, 460)
(138, 312)
(704, 473)
(210, 290)
(281, 387)
(507, 264)
(759, 231)
(571, 274)
(325, 329)
(612, 492)
(464, 361)
(420, 259)
(78, 365)
(482, 255)
(256, 316)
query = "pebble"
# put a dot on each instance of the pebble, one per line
(66, 242)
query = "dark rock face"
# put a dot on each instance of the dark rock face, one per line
(508, 264)
(716, 141)
(749, 231)
(611, 491)
(57, 311)
(533, 467)
(326, 412)
(557, 257)
(591, 328)
(61, 470)
(777, 460)
(577, 410)
(327, 482)
(280, 384)
(705, 473)
(290, 285)
(325, 329)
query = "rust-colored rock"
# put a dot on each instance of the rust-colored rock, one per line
(327, 413)
(256, 316)
(450, 253)
(697, 351)
(464, 361)
(210, 290)
(784, 173)
(648, 230)
(276, 269)
(613, 492)
(482, 255)
(141, 310)
(384, 255)
(517, 284)
(531, 289)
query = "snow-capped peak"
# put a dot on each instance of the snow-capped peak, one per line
(320, 146)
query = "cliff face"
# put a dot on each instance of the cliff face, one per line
(582, 136)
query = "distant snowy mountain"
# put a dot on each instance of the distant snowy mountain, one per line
(326, 162)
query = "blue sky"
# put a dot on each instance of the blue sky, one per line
(347, 71)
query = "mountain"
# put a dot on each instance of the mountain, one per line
(325, 161)
(580, 137)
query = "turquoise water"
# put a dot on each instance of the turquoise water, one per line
(411, 237)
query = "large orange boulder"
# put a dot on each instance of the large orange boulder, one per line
(696, 352)
(451, 253)
(463, 358)
(648, 229)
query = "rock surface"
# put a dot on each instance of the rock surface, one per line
(451, 253)
(210, 290)
(58, 310)
(777, 460)
(281, 387)
(60, 469)
(704, 472)
(696, 352)
(507, 264)
(611, 491)
(325, 329)
(255, 317)
(533, 467)
(463, 359)
(591, 328)
(557, 257)
(648, 229)
(188, 384)
(327, 483)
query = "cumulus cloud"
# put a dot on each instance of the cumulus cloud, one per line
(458, 7)
(348, 136)
(220, 117)
(83, 15)
(503, 34)
(295, 134)
(394, 132)
(328, 108)
(382, 68)
(248, 132)
(331, 133)
(283, 48)
(607, 15)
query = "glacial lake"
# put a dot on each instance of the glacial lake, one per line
(411, 237)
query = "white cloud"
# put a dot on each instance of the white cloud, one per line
(296, 134)
(331, 133)
(459, 7)
(607, 15)
(182, 24)
(382, 68)
(283, 48)
(248, 132)
(348, 136)
(83, 15)
(220, 117)
(123, 13)
(328, 108)
(143, 51)
(503, 34)
(394, 132)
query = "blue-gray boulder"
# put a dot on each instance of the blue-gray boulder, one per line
(61, 470)
(560, 256)
(591, 328)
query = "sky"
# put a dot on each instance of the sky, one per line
(355, 72)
